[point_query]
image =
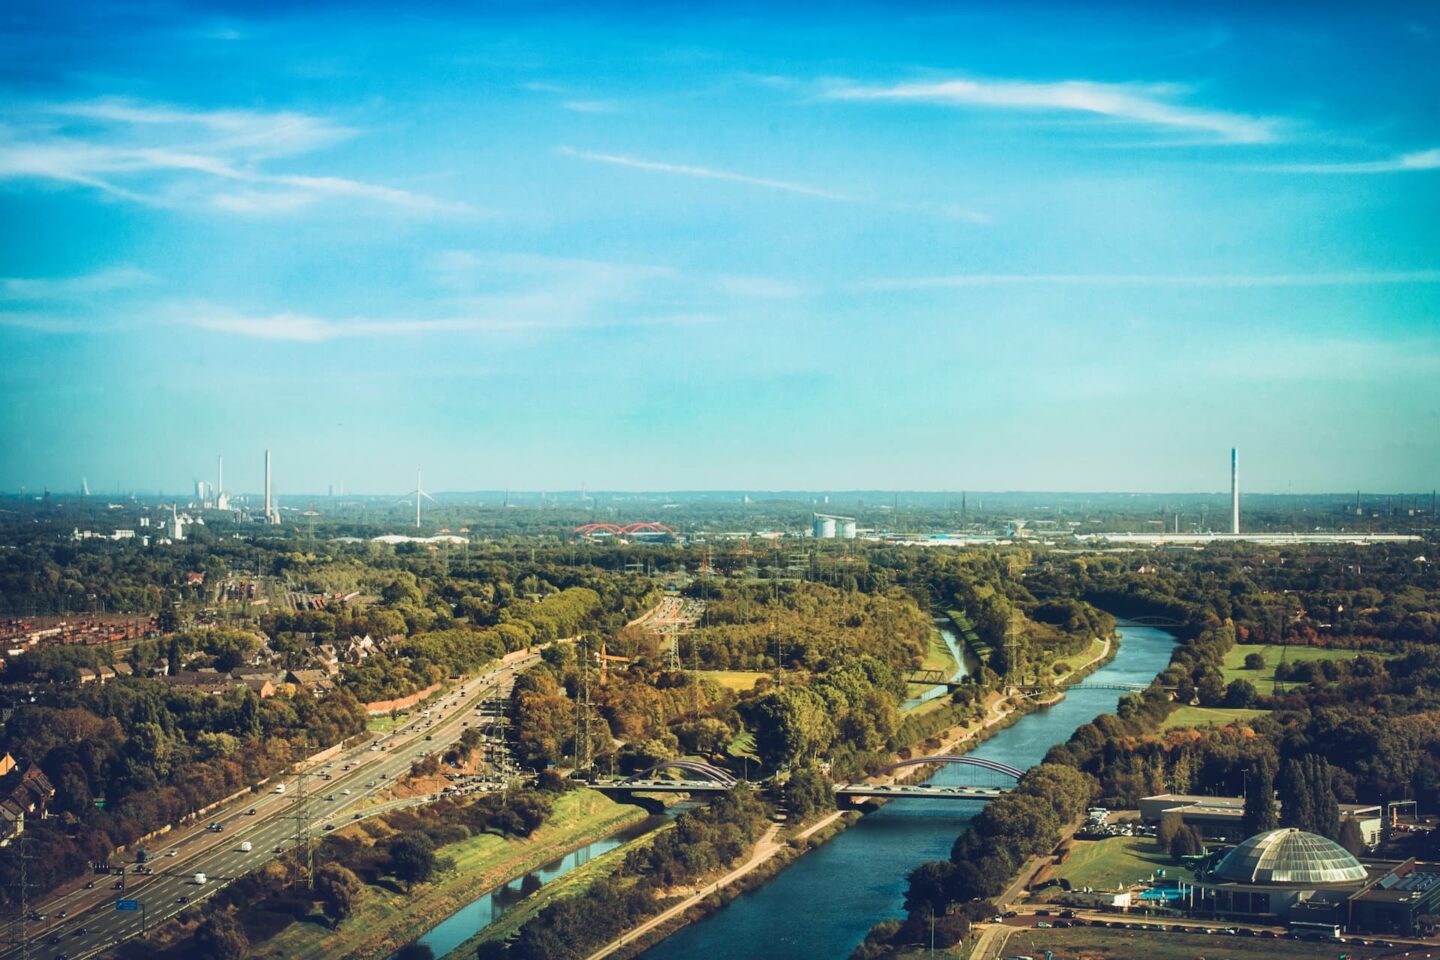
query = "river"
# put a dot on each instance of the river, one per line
(823, 905)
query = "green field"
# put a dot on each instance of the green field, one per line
(1264, 679)
(938, 656)
(737, 680)
(1116, 862)
(1088, 943)
(1209, 716)
(1077, 660)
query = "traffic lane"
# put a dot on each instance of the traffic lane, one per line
(102, 931)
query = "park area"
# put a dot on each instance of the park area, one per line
(1115, 863)
(1264, 678)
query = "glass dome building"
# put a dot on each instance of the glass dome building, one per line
(1289, 857)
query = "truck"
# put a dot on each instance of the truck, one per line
(279, 788)
(246, 846)
(199, 879)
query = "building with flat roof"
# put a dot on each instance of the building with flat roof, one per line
(1222, 818)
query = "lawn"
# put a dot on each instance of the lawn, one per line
(1264, 679)
(1088, 943)
(737, 680)
(1116, 862)
(1077, 660)
(1209, 716)
(939, 657)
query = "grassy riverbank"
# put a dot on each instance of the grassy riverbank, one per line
(386, 918)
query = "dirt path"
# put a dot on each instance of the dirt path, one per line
(764, 850)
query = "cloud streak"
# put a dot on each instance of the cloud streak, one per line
(152, 153)
(1405, 163)
(1144, 105)
(704, 173)
(1124, 280)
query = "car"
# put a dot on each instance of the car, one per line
(90, 885)
(118, 885)
(384, 776)
(1042, 925)
(330, 796)
(329, 826)
(81, 931)
(62, 914)
(346, 791)
(172, 852)
(183, 898)
(54, 939)
(250, 812)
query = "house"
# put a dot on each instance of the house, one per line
(12, 821)
(316, 681)
(359, 649)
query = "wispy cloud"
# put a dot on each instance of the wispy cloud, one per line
(149, 153)
(1405, 163)
(591, 106)
(705, 173)
(17, 289)
(1147, 105)
(1222, 280)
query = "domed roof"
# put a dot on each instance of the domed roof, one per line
(1289, 856)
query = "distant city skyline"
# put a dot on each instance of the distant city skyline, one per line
(907, 247)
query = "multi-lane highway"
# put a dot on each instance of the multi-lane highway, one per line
(84, 922)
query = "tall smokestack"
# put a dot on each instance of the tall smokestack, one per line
(219, 476)
(1234, 490)
(268, 514)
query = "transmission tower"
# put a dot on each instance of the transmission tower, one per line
(21, 936)
(300, 813)
(582, 710)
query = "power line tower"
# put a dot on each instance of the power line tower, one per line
(582, 709)
(20, 933)
(304, 847)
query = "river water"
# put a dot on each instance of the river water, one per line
(823, 905)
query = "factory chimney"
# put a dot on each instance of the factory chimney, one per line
(1234, 490)
(270, 516)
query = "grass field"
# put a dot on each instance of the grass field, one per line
(1076, 661)
(1264, 679)
(1209, 716)
(1089, 943)
(1116, 862)
(386, 919)
(938, 656)
(737, 680)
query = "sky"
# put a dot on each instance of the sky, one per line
(693, 246)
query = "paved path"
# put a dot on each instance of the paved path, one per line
(991, 943)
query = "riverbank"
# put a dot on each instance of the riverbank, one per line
(386, 919)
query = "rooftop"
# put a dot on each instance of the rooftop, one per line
(1290, 856)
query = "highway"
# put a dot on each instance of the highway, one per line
(265, 820)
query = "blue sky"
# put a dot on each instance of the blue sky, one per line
(918, 247)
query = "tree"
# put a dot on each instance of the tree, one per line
(1254, 661)
(219, 937)
(1241, 693)
(1260, 801)
(414, 951)
(1171, 823)
(807, 791)
(1351, 836)
(1187, 843)
(339, 890)
(412, 858)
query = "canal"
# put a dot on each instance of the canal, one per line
(823, 905)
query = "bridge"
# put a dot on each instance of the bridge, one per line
(1085, 685)
(627, 530)
(702, 779)
(934, 678)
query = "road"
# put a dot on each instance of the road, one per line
(266, 821)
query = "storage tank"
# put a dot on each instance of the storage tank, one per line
(824, 528)
(847, 529)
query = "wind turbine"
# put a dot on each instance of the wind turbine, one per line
(417, 493)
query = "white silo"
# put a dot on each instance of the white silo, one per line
(847, 529)
(824, 528)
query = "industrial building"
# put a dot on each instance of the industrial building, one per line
(827, 527)
(1310, 882)
(1222, 818)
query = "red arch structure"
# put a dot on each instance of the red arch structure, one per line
(1004, 769)
(615, 530)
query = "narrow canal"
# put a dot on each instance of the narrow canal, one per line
(822, 906)
(962, 666)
